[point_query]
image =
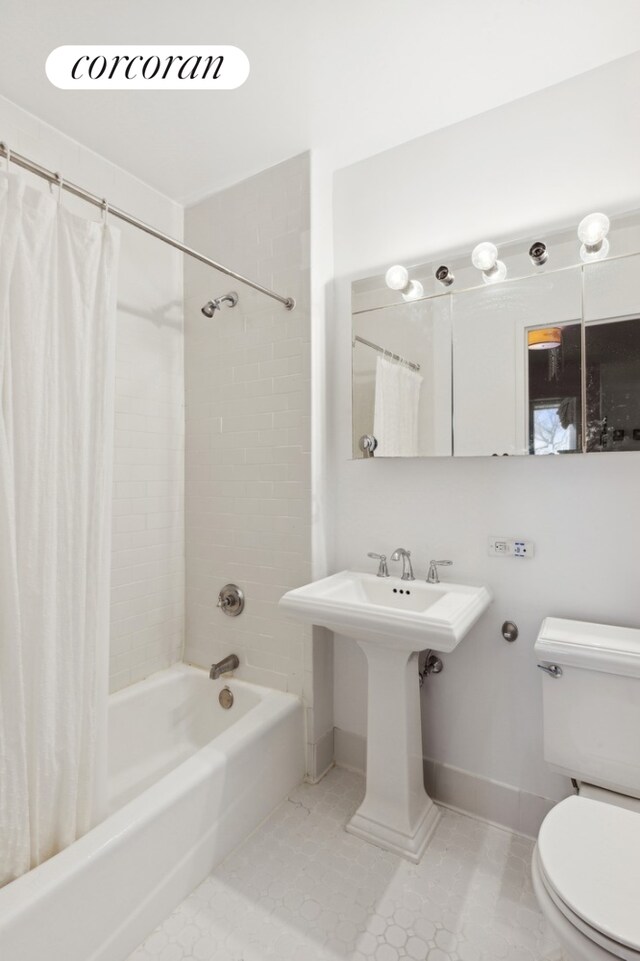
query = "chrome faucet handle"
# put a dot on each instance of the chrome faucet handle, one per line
(407, 567)
(383, 570)
(432, 576)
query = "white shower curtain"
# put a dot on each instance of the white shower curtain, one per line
(395, 416)
(57, 334)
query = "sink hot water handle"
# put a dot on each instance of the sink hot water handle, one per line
(383, 570)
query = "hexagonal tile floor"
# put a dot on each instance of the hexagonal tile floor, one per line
(302, 889)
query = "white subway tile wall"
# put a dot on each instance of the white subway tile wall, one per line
(147, 613)
(248, 486)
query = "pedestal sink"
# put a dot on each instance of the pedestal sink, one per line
(392, 621)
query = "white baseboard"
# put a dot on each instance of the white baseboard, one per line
(493, 801)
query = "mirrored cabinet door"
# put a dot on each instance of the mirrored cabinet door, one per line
(402, 380)
(612, 354)
(516, 367)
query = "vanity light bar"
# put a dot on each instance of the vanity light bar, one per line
(592, 233)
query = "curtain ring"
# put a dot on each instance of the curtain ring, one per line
(7, 154)
(105, 211)
(60, 183)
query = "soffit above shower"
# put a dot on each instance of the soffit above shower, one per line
(350, 79)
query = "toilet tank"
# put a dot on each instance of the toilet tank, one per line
(591, 712)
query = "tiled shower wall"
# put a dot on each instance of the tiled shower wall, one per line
(248, 494)
(147, 613)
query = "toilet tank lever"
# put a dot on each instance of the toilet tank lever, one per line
(553, 670)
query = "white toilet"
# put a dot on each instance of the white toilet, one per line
(586, 865)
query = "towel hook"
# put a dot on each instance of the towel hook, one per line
(105, 211)
(7, 154)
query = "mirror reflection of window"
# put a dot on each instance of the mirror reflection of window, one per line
(553, 432)
(554, 394)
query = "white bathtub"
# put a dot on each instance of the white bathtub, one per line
(188, 782)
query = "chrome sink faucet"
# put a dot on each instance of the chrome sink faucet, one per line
(407, 569)
(229, 663)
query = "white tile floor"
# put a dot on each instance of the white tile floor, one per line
(301, 888)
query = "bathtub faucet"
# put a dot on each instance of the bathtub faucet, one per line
(229, 663)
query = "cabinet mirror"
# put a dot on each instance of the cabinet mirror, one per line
(543, 358)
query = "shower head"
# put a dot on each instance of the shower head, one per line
(211, 306)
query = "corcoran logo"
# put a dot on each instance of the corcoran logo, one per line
(147, 68)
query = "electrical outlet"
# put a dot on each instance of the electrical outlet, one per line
(510, 547)
(500, 547)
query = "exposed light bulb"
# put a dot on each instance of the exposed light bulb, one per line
(485, 258)
(397, 277)
(593, 228)
(414, 292)
(592, 231)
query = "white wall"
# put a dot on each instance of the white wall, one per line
(544, 160)
(248, 462)
(147, 613)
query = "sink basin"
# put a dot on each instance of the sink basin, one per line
(405, 615)
(392, 620)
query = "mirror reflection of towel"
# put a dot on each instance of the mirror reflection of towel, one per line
(395, 420)
(567, 412)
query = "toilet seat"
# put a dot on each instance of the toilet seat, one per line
(588, 859)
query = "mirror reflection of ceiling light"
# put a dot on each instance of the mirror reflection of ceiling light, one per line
(592, 232)
(544, 338)
(485, 258)
(397, 278)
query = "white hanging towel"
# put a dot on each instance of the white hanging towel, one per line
(395, 419)
(57, 339)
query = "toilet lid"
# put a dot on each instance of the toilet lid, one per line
(589, 853)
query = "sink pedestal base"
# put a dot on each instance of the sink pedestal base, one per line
(397, 813)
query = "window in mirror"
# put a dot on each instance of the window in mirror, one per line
(554, 389)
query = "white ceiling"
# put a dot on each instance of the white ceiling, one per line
(349, 77)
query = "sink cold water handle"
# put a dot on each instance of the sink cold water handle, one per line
(553, 670)
(432, 576)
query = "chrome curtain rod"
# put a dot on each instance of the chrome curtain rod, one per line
(387, 353)
(55, 178)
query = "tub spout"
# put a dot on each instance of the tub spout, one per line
(230, 663)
